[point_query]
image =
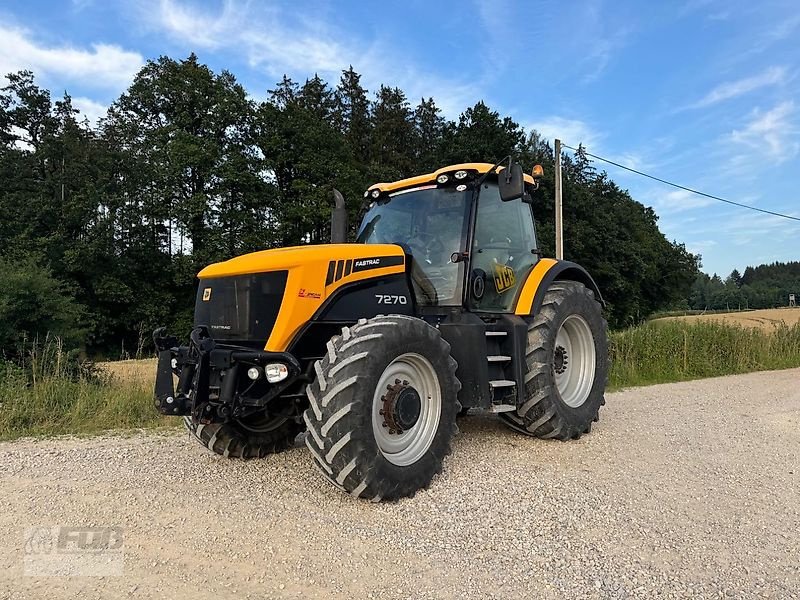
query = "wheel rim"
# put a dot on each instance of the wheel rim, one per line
(413, 372)
(261, 423)
(574, 361)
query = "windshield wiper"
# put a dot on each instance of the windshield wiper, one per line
(492, 170)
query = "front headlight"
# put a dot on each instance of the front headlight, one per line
(276, 372)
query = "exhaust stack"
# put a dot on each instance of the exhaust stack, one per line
(338, 219)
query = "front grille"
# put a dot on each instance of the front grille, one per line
(241, 308)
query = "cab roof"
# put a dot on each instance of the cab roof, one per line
(479, 168)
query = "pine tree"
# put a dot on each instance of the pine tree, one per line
(351, 115)
(392, 135)
(317, 99)
(482, 136)
(284, 94)
(429, 127)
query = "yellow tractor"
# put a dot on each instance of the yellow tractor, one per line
(444, 304)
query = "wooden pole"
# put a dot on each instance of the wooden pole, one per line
(559, 221)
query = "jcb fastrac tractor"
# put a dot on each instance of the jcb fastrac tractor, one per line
(442, 305)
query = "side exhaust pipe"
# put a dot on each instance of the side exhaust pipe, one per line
(338, 219)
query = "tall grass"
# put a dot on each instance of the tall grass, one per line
(664, 351)
(46, 391)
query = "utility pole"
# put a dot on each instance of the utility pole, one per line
(559, 221)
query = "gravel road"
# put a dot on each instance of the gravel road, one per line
(682, 490)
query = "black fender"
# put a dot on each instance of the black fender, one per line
(387, 294)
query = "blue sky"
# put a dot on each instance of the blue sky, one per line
(702, 92)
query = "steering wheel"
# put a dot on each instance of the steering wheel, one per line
(428, 243)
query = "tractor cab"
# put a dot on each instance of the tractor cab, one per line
(470, 246)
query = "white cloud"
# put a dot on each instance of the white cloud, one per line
(632, 160)
(742, 228)
(772, 133)
(94, 111)
(784, 29)
(102, 66)
(601, 38)
(700, 246)
(278, 43)
(599, 53)
(676, 201)
(203, 30)
(692, 6)
(569, 131)
(732, 89)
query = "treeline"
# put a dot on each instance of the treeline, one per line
(103, 228)
(764, 286)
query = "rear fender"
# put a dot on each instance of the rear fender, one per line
(541, 277)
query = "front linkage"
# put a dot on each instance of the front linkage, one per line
(211, 377)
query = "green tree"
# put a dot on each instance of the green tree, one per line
(179, 125)
(392, 135)
(351, 116)
(481, 135)
(186, 169)
(306, 156)
(34, 304)
(429, 126)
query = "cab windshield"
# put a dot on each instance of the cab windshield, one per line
(431, 224)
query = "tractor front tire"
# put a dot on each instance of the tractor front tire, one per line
(567, 365)
(382, 409)
(254, 437)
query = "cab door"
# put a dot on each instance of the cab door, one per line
(502, 251)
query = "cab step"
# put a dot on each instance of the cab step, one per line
(496, 333)
(501, 383)
(500, 408)
(498, 358)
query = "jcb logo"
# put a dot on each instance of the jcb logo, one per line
(504, 278)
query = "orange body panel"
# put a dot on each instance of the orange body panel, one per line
(306, 288)
(531, 285)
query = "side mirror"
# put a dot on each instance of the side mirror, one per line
(511, 183)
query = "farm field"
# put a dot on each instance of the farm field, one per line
(766, 319)
(132, 371)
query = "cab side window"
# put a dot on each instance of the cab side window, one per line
(502, 251)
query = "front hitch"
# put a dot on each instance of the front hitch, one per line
(200, 346)
(209, 377)
(164, 390)
(193, 374)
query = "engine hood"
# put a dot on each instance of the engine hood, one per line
(314, 273)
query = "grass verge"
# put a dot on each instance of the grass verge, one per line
(48, 393)
(666, 351)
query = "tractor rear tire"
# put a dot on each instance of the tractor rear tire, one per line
(382, 409)
(567, 365)
(251, 438)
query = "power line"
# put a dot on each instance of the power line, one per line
(683, 187)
